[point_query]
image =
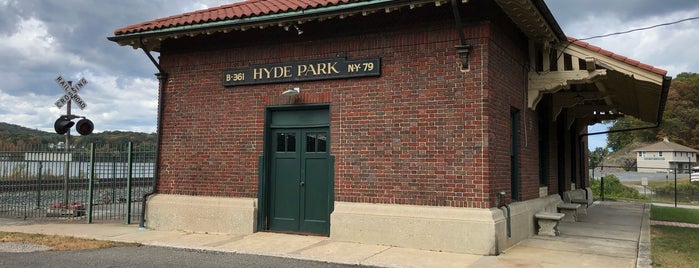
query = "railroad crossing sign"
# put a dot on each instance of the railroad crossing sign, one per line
(71, 92)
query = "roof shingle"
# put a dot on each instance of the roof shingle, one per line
(249, 8)
(618, 57)
(666, 146)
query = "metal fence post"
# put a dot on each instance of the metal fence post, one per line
(90, 185)
(38, 188)
(129, 177)
(675, 187)
(601, 184)
(114, 180)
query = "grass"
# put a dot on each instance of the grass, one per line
(664, 190)
(61, 243)
(660, 213)
(657, 183)
(674, 246)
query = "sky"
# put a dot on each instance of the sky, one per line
(40, 40)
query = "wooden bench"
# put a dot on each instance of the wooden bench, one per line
(570, 210)
(548, 222)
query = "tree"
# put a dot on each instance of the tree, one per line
(618, 140)
(597, 156)
(680, 119)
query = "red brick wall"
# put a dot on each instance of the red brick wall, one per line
(507, 83)
(424, 133)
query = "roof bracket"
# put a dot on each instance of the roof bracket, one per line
(143, 47)
(552, 82)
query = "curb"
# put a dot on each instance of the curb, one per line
(643, 259)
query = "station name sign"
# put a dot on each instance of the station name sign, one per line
(335, 68)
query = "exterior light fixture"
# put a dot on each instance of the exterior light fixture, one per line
(288, 26)
(300, 32)
(291, 92)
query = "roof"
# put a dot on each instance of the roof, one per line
(531, 16)
(618, 57)
(246, 9)
(666, 146)
(611, 86)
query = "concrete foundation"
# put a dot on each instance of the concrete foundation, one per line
(201, 214)
(449, 229)
(522, 221)
(460, 230)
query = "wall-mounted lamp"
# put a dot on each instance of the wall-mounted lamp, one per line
(291, 92)
(288, 26)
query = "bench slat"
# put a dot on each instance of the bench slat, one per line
(549, 216)
(568, 206)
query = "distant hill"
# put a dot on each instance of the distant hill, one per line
(6, 128)
(625, 156)
(19, 136)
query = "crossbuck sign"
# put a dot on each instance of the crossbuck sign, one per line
(71, 92)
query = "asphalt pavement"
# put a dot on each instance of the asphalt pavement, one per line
(152, 257)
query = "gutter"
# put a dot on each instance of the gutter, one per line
(162, 82)
(659, 117)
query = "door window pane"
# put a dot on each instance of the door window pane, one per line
(310, 142)
(291, 142)
(286, 142)
(316, 142)
(322, 139)
(281, 142)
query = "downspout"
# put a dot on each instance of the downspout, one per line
(462, 48)
(162, 81)
(500, 198)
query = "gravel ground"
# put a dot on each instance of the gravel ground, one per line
(21, 247)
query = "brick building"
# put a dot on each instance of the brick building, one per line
(440, 125)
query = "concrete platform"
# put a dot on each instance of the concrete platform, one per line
(614, 234)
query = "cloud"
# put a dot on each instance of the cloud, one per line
(123, 103)
(665, 47)
(44, 39)
(26, 108)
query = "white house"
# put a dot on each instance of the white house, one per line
(664, 156)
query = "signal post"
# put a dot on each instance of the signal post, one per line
(64, 122)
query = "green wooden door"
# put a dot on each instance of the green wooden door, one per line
(300, 180)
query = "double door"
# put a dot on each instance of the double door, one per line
(300, 180)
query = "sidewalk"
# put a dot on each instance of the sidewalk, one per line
(610, 236)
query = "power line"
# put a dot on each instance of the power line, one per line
(640, 29)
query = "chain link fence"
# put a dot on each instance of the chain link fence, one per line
(97, 183)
